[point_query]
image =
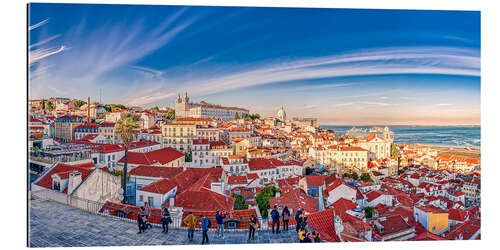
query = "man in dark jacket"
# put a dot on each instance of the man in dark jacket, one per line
(275, 216)
(219, 217)
(205, 225)
(298, 219)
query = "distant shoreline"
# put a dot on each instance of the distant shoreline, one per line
(321, 125)
(472, 152)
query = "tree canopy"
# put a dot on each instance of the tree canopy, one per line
(239, 202)
(365, 177)
(79, 103)
(352, 175)
(263, 197)
(369, 212)
(170, 115)
(394, 151)
(114, 107)
(125, 127)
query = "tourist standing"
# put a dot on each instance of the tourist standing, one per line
(190, 222)
(165, 219)
(205, 225)
(298, 218)
(140, 220)
(219, 217)
(147, 213)
(252, 227)
(286, 218)
(275, 216)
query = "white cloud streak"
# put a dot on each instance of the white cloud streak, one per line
(34, 26)
(414, 60)
(44, 41)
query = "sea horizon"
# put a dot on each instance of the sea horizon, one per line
(444, 136)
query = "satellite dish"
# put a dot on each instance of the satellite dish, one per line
(120, 197)
(120, 191)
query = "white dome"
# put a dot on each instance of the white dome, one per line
(281, 114)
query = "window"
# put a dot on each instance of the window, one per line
(56, 186)
(150, 201)
(141, 198)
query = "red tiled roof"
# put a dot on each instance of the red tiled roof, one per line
(323, 223)
(252, 176)
(466, 230)
(457, 214)
(336, 183)
(352, 149)
(393, 224)
(200, 141)
(427, 236)
(155, 171)
(89, 137)
(64, 169)
(161, 156)
(342, 205)
(237, 180)
(372, 195)
(203, 199)
(295, 200)
(159, 187)
(315, 180)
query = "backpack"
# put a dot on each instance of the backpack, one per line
(209, 223)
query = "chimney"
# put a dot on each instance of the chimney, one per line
(75, 178)
(88, 110)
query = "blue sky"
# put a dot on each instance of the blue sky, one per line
(342, 66)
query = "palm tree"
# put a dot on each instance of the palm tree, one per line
(125, 128)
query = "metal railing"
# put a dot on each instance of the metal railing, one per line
(128, 213)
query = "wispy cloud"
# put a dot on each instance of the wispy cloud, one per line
(39, 54)
(409, 60)
(345, 104)
(34, 26)
(443, 104)
(112, 46)
(44, 41)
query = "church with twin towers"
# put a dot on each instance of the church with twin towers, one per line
(184, 108)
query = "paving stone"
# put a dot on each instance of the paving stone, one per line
(56, 225)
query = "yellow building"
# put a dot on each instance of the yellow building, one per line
(349, 158)
(241, 146)
(431, 218)
(178, 135)
(64, 127)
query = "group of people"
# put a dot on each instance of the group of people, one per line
(304, 233)
(145, 213)
(191, 221)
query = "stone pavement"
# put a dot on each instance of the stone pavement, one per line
(56, 225)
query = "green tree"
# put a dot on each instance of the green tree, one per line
(154, 108)
(394, 151)
(365, 177)
(188, 157)
(239, 203)
(369, 212)
(352, 175)
(255, 116)
(78, 103)
(236, 116)
(263, 197)
(50, 106)
(125, 127)
(170, 115)
(101, 116)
